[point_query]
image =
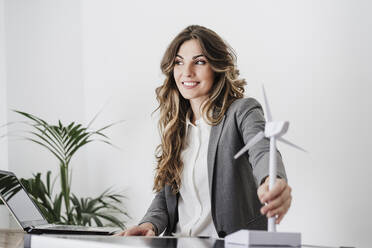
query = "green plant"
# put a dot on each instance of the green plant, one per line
(8, 187)
(63, 142)
(85, 211)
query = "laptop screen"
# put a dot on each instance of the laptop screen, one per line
(16, 198)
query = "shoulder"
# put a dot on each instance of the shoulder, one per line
(243, 106)
(245, 113)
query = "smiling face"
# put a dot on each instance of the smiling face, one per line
(192, 72)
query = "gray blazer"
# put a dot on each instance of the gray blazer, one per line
(232, 183)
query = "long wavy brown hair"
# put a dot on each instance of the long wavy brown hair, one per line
(173, 107)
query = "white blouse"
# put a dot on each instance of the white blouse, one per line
(194, 203)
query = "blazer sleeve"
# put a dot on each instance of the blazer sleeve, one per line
(157, 213)
(250, 120)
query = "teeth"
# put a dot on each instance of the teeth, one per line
(189, 83)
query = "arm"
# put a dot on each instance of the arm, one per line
(251, 119)
(154, 221)
(157, 213)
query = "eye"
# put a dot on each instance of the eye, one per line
(200, 62)
(178, 62)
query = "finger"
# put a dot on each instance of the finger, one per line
(150, 233)
(119, 234)
(277, 202)
(279, 219)
(262, 190)
(133, 231)
(278, 188)
(281, 216)
(280, 211)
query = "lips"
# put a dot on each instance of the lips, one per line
(190, 84)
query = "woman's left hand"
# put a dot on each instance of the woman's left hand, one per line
(278, 199)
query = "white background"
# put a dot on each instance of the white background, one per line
(3, 111)
(67, 59)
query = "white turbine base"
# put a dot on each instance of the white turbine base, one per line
(262, 238)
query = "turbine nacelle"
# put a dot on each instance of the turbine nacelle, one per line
(276, 128)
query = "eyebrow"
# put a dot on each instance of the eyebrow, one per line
(195, 57)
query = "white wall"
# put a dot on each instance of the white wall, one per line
(4, 214)
(313, 57)
(44, 72)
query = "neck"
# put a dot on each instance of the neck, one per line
(195, 106)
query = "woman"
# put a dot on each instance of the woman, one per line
(204, 121)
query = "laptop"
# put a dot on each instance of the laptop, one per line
(29, 216)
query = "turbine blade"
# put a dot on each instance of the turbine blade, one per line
(267, 107)
(291, 144)
(250, 143)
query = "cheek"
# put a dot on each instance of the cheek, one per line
(208, 73)
(176, 75)
(210, 79)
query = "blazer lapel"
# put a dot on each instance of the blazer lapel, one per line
(212, 149)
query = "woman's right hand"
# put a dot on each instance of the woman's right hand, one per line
(145, 229)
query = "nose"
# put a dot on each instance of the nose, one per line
(188, 70)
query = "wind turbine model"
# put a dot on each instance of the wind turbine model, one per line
(274, 130)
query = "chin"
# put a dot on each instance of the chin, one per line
(187, 97)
